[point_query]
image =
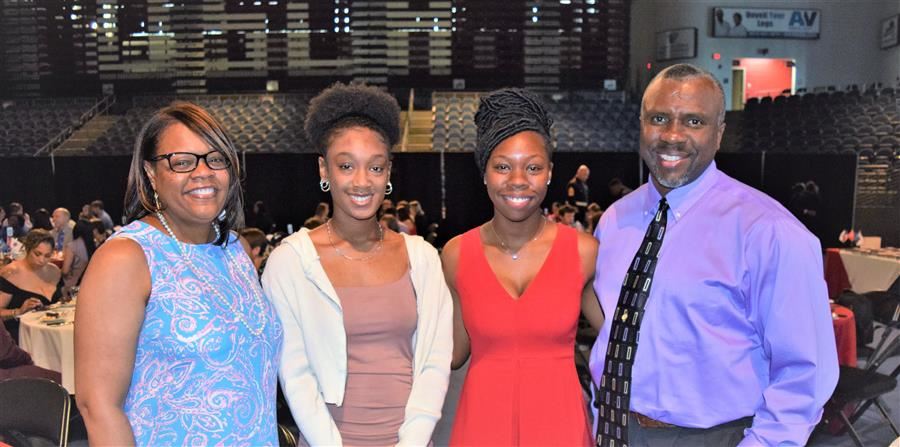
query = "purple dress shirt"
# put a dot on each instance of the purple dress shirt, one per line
(737, 323)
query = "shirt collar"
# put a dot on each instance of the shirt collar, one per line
(681, 199)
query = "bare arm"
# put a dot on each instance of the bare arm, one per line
(5, 298)
(449, 260)
(6, 314)
(109, 319)
(590, 305)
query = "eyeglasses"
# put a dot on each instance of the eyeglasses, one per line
(183, 162)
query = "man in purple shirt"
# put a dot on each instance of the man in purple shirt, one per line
(736, 344)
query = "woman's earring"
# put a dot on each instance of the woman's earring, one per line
(548, 182)
(156, 202)
(388, 189)
(221, 217)
(324, 185)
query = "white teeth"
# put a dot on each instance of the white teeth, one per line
(203, 191)
(670, 157)
(359, 199)
(518, 199)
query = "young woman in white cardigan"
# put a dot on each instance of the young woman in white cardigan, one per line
(367, 315)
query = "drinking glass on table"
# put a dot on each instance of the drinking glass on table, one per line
(70, 295)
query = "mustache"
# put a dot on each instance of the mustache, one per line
(666, 146)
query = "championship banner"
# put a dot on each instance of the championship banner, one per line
(767, 23)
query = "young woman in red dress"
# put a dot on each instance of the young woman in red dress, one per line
(519, 283)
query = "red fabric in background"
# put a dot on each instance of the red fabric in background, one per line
(835, 274)
(844, 334)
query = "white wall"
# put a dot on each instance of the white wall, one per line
(846, 52)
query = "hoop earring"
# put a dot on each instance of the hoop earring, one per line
(324, 185)
(156, 202)
(388, 189)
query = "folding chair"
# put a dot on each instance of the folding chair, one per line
(35, 408)
(860, 388)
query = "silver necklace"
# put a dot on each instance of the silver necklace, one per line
(257, 298)
(515, 254)
(364, 258)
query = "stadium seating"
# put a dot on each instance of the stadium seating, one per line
(258, 123)
(27, 125)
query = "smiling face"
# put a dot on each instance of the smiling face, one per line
(357, 163)
(191, 198)
(680, 130)
(517, 174)
(60, 218)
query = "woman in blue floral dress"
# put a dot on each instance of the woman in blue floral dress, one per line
(175, 342)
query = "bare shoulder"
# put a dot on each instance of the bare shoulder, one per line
(450, 259)
(118, 261)
(120, 254)
(587, 251)
(9, 270)
(450, 252)
(587, 244)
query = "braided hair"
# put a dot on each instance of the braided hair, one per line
(342, 106)
(504, 113)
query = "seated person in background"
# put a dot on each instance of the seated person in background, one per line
(405, 217)
(567, 214)
(15, 363)
(62, 228)
(22, 223)
(41, 220)
(322, 211)
(256, 245)
(312, 222)
(80, 249)
(390, 221)
(29, 282)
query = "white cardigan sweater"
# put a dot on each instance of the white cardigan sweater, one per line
(314, 355)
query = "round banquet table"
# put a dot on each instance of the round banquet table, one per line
(50, 341)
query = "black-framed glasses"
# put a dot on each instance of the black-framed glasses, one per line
(183, 162)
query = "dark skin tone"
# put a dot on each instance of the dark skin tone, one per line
(516, 178)
(105, 348)
(357, 164)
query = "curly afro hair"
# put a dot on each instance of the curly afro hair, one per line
(350, 105)
(504, 113)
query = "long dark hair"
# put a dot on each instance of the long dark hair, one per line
(84, 229)
(139, 193)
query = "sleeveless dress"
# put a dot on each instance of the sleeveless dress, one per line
(200, 377)
(380, 322)
(521, 388)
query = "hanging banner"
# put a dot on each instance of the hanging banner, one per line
(676, 44)
(889, 32)
(767, 23)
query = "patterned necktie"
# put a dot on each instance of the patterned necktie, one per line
(612, 397)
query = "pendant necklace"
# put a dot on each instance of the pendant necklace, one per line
(515, 254)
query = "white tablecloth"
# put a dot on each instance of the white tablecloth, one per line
(51, 347)
(867, 271)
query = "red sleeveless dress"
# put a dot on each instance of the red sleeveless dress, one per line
(521, 388)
